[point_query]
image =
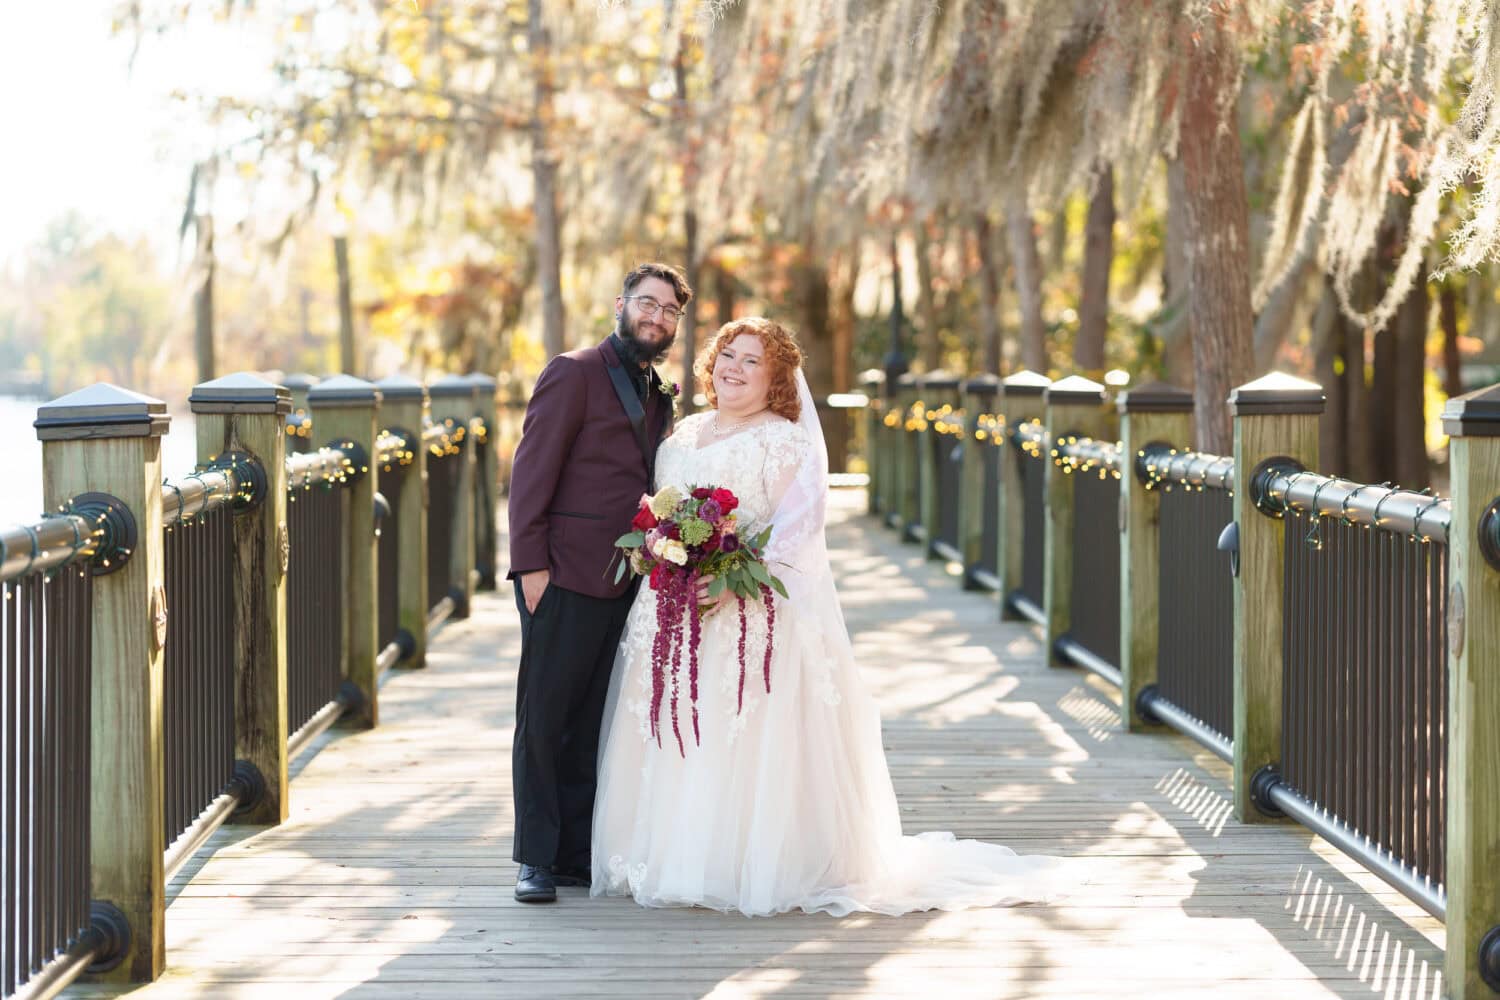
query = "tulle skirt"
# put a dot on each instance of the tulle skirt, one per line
(785, 800)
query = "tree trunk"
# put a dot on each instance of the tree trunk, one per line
(688, 334)
(813, 305)
(1218, 223)
(842, 319)
(1410, 325)
(203, 300)
(724, 288)
(1453, 380)
(1329, 366)
(1028, 269)
(348, 364)
(1098, 255)
(1177, 284)
(989, 293)
(544, 183)
(931, 350)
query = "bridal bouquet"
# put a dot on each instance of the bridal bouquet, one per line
(677, 540)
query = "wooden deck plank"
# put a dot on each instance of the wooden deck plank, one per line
(392, 876)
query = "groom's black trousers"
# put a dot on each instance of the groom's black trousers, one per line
(567, 652)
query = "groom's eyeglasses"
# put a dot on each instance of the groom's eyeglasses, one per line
(650, 307)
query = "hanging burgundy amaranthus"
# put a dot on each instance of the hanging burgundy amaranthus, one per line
(675, 541)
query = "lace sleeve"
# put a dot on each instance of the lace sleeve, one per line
(796, 552)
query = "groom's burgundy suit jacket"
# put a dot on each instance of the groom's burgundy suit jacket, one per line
(580, 469)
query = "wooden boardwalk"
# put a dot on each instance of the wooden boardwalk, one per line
(392, 877)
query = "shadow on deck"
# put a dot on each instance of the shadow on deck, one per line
(392, 877)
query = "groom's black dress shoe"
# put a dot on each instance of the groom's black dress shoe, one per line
(577, 877)
(534, 884)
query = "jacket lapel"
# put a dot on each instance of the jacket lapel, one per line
(631, 402)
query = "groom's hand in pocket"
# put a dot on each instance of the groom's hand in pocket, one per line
(533, 585)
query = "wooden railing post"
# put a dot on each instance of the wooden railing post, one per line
(1275, 417)
(403, 408)
(980, 395)
(486, 481)
(1021, 399)
(1155, 413)
(104, 439)
(346, 411)
(244, 415)
(453, 400)
(872, 383)
(1075, 408)
(1472, 965)
(908, 484)
(939, 391)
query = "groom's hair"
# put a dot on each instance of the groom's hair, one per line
(667, 273)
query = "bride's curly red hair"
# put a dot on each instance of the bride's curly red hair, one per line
(782, 355)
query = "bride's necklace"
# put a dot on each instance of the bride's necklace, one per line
(721, 430)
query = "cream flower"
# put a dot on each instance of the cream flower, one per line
(674, 551)
(666, 501)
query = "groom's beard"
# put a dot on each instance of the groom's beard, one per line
(640, 351)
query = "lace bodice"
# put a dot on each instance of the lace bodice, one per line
(754, 463)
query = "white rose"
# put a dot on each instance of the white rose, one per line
(674, 551)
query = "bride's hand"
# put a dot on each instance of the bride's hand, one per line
(711, 603)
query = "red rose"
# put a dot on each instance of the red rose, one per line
(727, 501)
(712, 545)
(702, 493)
(644, 520)
(672, 531)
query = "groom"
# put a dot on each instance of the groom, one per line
(587, 453)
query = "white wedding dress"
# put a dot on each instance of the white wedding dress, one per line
(787, 803)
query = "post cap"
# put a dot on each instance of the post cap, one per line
(401, 388)
(983, 384)
(1276, 393)
(872, 376)
(1025, 383)
(451, 387)
(102, 410)
(242, 392)
(938, 379)
(908, 380)
(1075, 389)
(343, 391)
(483, 382)
(300, 381)
(1155, 397)
(1474, 414)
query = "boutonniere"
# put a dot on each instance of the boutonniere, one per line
(669, 389)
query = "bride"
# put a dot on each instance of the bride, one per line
(786, 801)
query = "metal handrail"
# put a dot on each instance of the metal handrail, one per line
(197, 494)
(1403, 512)
(326, 465)
(393, 448)
(47, 544)
(1161, 465)
(1087, 453)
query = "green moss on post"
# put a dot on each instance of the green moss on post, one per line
(981, 394)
